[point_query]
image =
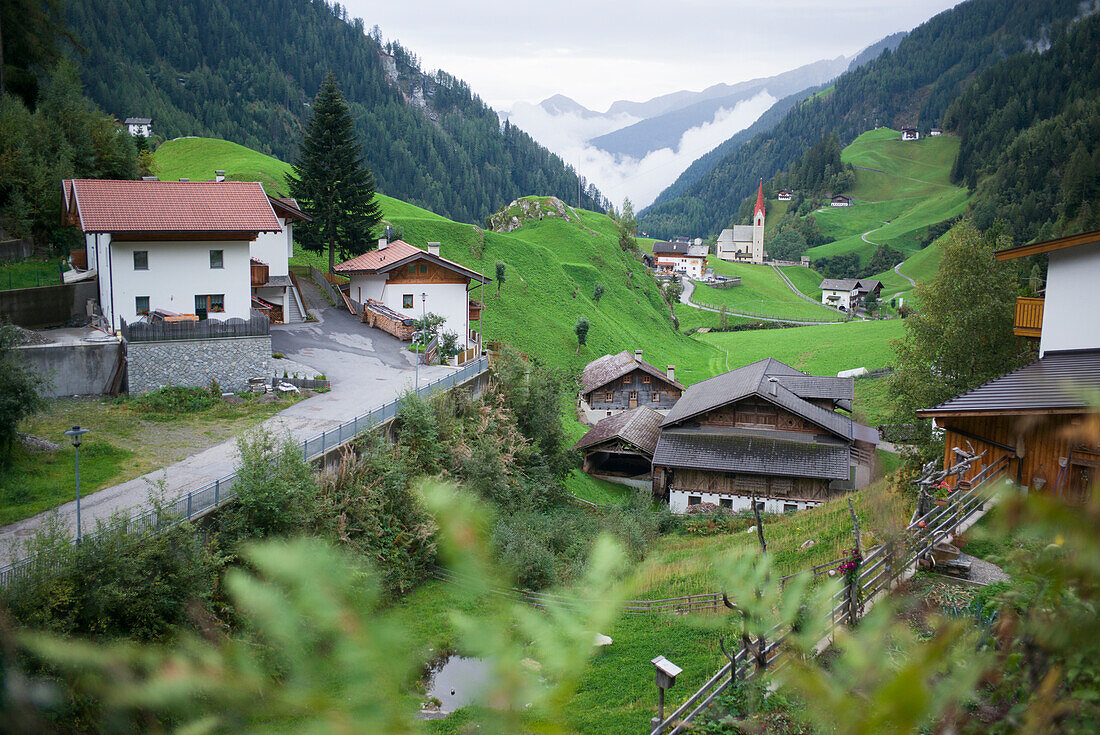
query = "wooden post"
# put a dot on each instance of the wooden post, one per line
(759, 525)
(853, 582)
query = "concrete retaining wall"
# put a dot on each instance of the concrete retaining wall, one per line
(47, 306)
(15, 249)
(73, 369)
(231, 361)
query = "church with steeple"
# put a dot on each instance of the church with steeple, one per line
(745, 243)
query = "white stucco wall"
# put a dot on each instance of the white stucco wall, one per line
(678, 502)
(275, 249)
(1071, 311)
(178, 271)
(844, 298)
(693, 267)
(448, 300)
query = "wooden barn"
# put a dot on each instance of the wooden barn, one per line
(621, 446)
(615, 383)
(764, 433)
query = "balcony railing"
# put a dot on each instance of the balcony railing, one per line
(259, 273)
(1029, 317)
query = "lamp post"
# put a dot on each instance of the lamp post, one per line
(74, 434)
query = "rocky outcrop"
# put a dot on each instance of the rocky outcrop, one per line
(529, 209)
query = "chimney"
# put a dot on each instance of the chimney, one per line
(219, 175)
(671, 372)
(433, 248)
(773, 381)
(383, 243)
(638, 355)
(149, 178)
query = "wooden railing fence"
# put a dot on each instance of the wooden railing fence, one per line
(876, 573)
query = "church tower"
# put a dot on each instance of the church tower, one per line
(758, 226)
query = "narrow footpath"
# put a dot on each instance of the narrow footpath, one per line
(365, 366)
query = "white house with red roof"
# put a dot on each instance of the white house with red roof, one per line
(745, 243)
(273, 290)
(411, 281)
(180, 247)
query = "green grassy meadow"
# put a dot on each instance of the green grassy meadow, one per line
(908, 191)
(823, 349)
(761, 292)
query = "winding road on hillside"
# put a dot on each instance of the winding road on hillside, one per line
(689, 289)
(797, 292)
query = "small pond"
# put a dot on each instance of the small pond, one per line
(456, 680)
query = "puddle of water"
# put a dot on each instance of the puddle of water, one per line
(455, 681)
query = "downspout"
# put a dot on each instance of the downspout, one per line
(110, 267)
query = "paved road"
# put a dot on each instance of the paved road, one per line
(366, 367)
(896, 270)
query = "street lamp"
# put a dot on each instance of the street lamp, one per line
(75, 433)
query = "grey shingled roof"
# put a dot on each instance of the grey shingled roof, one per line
(1057, 381)
(680, 248)
(838, 284)
(752, 453)
(640, 427)
(603, 370)
(754, 380)
(817, 386)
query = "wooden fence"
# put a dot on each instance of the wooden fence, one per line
(874, 576)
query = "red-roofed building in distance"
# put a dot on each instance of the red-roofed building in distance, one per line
(178, 247)
(409, 282)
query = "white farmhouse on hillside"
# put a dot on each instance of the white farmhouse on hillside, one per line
(142, 126)
(745, 243)
(173, 247)
(910, 134)
(848, 293)
(412, 282)
(685, 258)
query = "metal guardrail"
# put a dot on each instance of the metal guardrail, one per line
(213, 494)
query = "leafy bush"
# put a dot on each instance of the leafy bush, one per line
(176, 399)
(115, 584)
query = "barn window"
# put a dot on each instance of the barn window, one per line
(633, 395)
(725, 503)
(694, 500)
(626, 380)
(407, 301)
(646, 379)
(656, 396)
(608, 397)
(790, 507)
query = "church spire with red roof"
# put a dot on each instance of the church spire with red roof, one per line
(759, 199)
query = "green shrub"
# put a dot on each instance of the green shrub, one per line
(176, 399)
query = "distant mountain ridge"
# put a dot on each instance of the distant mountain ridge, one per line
(910, 86)
(681, 112)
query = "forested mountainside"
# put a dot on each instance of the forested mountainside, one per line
(1030, 130)
(246, 71)
(910, 86)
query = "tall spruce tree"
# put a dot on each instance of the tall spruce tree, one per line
(331, 183)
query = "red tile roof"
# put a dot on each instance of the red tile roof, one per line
(101, 205)
(374, 260)
(397, 253)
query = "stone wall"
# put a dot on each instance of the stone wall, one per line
(231, 361)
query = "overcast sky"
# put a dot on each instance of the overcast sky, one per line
(598, 52)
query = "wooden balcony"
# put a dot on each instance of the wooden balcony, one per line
(475, 310)
(1029, 317)
(259, 273)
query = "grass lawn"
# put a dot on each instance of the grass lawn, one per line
(761, 292)
(822, 349)
(124, 443)
(29, 273)
(872, 405)
(805, 280)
